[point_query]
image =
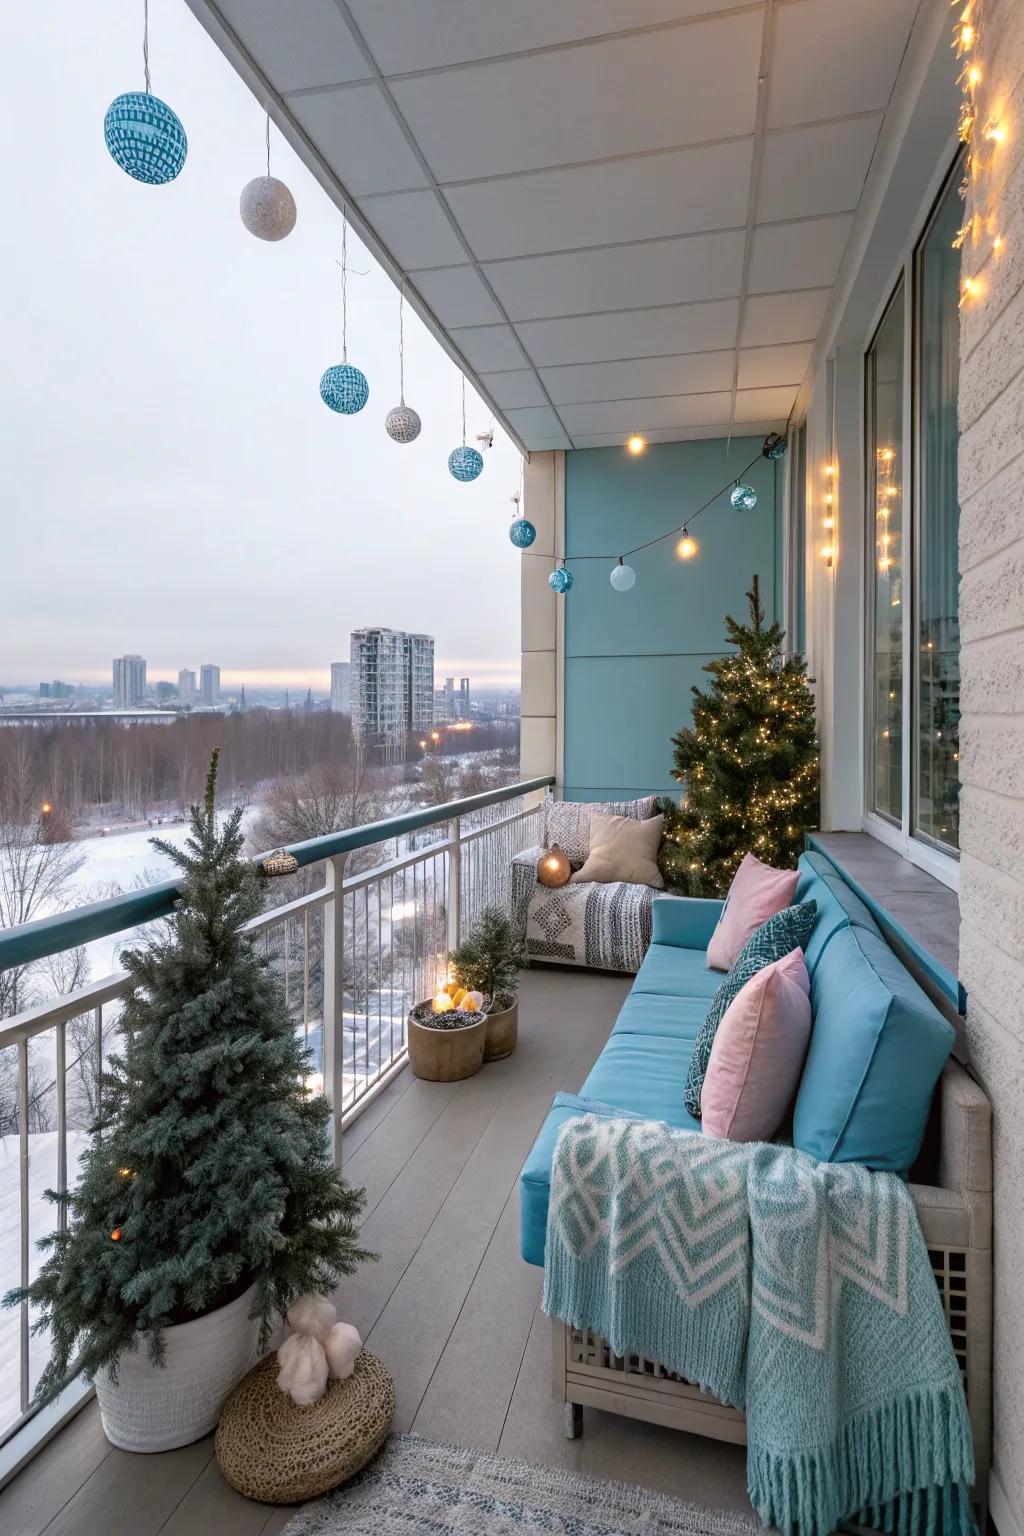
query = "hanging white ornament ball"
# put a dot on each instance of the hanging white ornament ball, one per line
(744, 498)
(267, 208)
(623, 577)
(402, 424)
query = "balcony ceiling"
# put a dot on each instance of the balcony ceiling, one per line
(618, 215)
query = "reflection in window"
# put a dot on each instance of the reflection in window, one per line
(886, 471)
(937, 658)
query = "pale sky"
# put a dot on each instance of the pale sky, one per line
(172, 482)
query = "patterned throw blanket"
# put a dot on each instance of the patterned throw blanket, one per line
(800, 1291)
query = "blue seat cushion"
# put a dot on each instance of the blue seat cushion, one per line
(653, 1013)
(639, 1073)
(671, 971)
(877, 1048)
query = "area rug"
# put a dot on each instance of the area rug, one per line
(417, 1486)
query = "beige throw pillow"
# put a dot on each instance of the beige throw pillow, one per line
(623, 849)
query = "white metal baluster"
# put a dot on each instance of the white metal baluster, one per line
(23, 1318)
(380, 975)
(305, 978)
(62, 1123)
(333, 1019)
(366, 984)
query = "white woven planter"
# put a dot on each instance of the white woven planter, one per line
(156, 1408)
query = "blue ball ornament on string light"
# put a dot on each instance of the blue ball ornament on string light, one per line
(774, 446)
(522, 532)
(144, 136)
(623, 576)
(560, 580)
(744, 498)
(465, 463)
(344, 388)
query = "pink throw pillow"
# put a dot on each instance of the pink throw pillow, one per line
(758, 1053)
(757, 892)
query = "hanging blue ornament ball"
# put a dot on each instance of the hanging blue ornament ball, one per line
(145, 137)
(744, 498)
(623, 577)
(775, 446)
(465, 463)
(560, 579)
(344, 389)
(522, 532)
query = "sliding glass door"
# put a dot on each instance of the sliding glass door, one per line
(885, 481)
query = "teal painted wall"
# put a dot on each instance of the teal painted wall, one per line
(631, 657)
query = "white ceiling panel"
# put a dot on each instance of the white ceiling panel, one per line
(487, 347)
(356, 132)
(661, 272)
(457, 296)
(834, 57)
(566, 186)
(652, 90)
(626, 416)
(641, 198)
(777, 317)
(639, 377)
(764, 366)
(764, 404)
(631, 333)
(315, 48)
(415, 229)
(514, 389)
(407, 34)
(808, 171)
(806, 255)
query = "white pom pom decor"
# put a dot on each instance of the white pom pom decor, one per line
(314, 1315)
(303, 1373)
(342, 1347)
(319, 1348)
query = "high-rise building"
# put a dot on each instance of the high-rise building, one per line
(165, 692)
(463, 698)
(209, 684)
(341, 687)
(186, 686)
(129, 681)
(392, 689)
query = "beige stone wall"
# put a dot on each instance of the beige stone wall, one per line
(992, 659)
(544, 479)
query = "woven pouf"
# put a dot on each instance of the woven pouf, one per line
(270, 1449)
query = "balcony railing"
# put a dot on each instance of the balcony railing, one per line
(354, 951)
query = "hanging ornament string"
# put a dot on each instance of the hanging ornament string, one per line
(344, 286)
(672, 532)
(463, 410)
(268, 143)
(401, 345)
(145, 44)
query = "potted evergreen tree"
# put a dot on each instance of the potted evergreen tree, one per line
(488, 961)
(208, 1200)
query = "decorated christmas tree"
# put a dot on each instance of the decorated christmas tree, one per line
(749, 763)
(209, 1168)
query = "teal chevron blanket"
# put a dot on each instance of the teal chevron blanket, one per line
(797, 1290)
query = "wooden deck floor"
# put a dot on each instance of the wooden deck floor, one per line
(450, 1307)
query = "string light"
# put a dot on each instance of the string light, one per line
(686, 549)
(636, 444)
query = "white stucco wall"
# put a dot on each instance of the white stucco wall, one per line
(992, 696)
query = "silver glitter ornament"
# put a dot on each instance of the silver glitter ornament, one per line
(402, 424)
(267, 208)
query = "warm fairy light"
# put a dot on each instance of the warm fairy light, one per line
(636, 444)
(830, 470)
(886, 538)
(435, 735)
(686, 549)
(995, 133)
(967, 35)
(971, 288)
(827, 552)
(884, 563)
(997, 244)
(125, 1173)
(828, 522)
(442, 1002)
(974, 75)
(115, 1236)
(829, 498)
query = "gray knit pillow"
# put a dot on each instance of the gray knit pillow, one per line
(787, 930)
(568, 822)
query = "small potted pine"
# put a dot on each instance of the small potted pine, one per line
(208, 1201)
(488, 962)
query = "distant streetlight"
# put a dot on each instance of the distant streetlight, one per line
(45, 808)
(423, 746)
(435, 735)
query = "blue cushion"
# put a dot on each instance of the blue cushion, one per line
(685, 921)
(777, 936)
(877, 1049)
(649, 1013)
(672, 972)
(640, 1073)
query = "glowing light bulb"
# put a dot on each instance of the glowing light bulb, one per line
(686, 549)
(995, 133)
(115, 1236)
(830, 470)
(967, 35)
(829, 498)
(636, 444)
(828, 522)
(997, 244)
(974, 75)
(442, 1002)
(827, 552)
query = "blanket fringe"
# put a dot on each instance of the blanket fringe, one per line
(865, 1473)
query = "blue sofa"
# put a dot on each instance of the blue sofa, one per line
(874, 1028)
(878, 1046)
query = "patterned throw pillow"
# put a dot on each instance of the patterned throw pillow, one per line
(568, 822)
(787, 930)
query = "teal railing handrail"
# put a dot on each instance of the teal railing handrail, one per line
(101, 919)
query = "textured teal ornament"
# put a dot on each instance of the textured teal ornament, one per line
(344, 389)
(744, 498)
(522, 532)
(145, 137)
(774, 446)
(465, 463)
(560, 580)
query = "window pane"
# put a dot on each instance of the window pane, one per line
(937, 660)
(885, 502)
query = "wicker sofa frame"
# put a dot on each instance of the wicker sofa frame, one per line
(956, 1219)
